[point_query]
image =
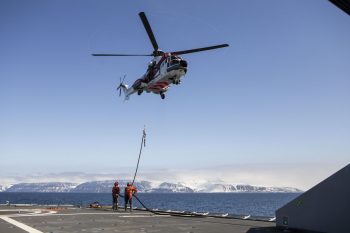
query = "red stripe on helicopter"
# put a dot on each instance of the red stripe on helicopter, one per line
(156, 88)
(160, 84)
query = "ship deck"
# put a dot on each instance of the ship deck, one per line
(36, 219)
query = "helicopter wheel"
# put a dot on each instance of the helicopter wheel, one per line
(139, 92)
(162, 95)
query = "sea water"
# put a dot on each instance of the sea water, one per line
(255, 204)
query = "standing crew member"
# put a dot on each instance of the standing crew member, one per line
(115, 195)
(129, 191)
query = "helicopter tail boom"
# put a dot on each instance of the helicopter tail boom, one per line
(126, 90)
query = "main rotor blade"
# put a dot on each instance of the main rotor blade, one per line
(121, 55)
(148, 30)
(200, 49)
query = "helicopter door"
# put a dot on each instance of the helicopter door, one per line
(163, 66)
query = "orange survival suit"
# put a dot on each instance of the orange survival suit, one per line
(129, 191)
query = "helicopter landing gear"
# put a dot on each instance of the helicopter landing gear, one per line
(162, 95)
(176, 82)
(139, 92)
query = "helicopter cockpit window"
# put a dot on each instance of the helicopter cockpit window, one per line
(174, 60)
(151, 65)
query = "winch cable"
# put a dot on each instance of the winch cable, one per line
(143, 144)
(176, 214)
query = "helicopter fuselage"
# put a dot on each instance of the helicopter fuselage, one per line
(166, 68)
(162, 72)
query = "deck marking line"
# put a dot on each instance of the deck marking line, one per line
(136, 216)
(20, 225)
(72, 214)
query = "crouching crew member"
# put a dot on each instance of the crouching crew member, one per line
(129, 191)
(115, 195)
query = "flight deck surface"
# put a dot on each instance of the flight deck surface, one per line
(36, 219)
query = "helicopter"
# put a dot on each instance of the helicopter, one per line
(165, 69)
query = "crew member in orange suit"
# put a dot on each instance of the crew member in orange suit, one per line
(115, 195)
(130, 190)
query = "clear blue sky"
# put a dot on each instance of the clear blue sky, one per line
(278, 95)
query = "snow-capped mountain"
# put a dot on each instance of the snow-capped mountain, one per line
(106, 186)
(142, 186)
(239, 188)
(2, 188)
(42, 187)
(166, 187)
(215, 188)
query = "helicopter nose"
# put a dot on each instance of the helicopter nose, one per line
(183, 63)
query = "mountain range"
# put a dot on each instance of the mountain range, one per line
(142, 186)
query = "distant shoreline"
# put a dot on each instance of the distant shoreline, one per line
(144, 187)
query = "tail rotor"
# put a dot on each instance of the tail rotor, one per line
(121, 85)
